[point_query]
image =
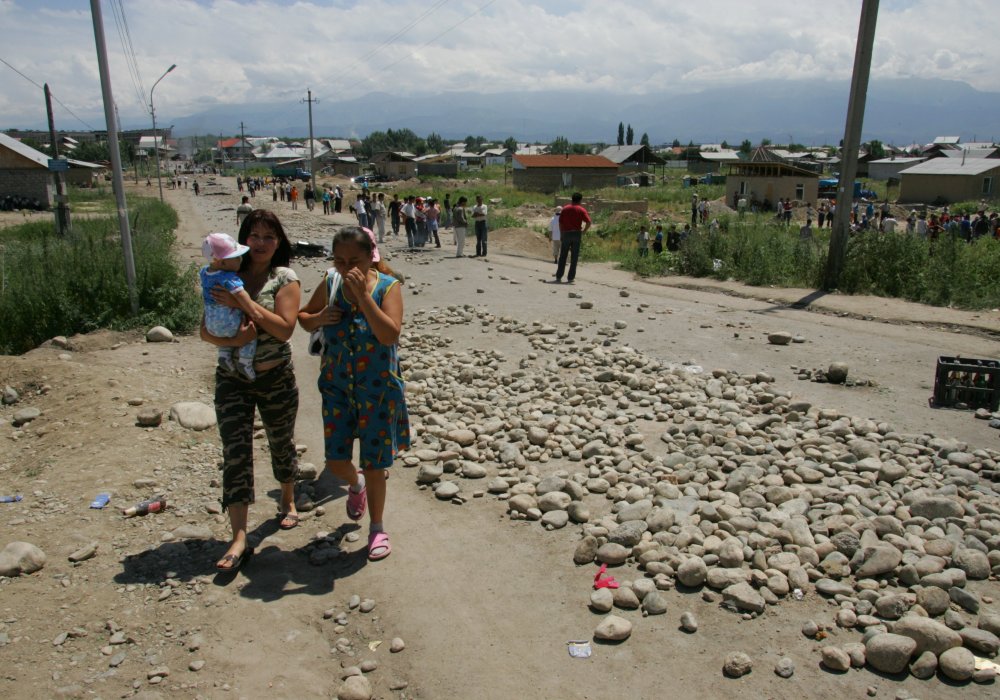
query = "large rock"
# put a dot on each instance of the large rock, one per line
(25, 415)
(193, 415)
(159, 334)
(462, 437)
(929, 635)
(779, 338)
(355, 688)
(934, 507)
(957, 664)
(613, 629)
(878, 560)
(628, 534)
(692, 572)
(986, 643)
(737, 664)
(836, 373)
(974, 563)
(21, 558)
(612, 554)
(586, 550)
(889, 653)
(743, 596)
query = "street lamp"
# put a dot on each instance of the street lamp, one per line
(156, 138)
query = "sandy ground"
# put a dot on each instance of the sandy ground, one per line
(484, 604)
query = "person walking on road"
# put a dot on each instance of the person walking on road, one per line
(243, 211)
(359, 306)
(574, 221)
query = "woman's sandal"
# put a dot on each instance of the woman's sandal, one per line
(236, 562)
(378, 546)
(357, 503)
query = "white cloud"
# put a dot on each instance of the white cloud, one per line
(271, 51)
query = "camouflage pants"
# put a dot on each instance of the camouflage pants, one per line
(276, 395)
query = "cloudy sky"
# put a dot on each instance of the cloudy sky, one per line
(272, 50)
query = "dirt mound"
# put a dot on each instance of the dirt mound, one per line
(520, 241)
(624, 217)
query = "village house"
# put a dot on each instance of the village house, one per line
(551, 173)
(398, 165)
(630, 159)
(949, 180)
(889, 168)
(236, 148)
(766, 178)
(24, 172)
(496, 156)
(711, 158)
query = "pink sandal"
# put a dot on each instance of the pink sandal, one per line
(378, 546)
(357, 503)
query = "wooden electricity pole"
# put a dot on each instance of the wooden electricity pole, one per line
(312, 154)
(63, 225)
(852, 142)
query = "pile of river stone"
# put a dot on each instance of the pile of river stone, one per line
(743, 490)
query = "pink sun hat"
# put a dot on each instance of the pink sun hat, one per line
(222, 246)
(376, 256)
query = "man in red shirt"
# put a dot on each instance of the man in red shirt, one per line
(574, 221)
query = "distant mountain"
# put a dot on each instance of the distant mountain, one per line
(900, 111)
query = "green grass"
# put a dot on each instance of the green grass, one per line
(51, 285)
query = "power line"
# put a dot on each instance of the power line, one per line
(431, 41)
(118, 11)
(53, 96)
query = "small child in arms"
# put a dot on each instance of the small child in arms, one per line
(225, 255)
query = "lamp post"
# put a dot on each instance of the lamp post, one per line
(156, 138)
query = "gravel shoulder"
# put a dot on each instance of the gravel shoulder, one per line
(484, 602)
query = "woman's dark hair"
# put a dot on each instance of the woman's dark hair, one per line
(266, 219)
(358, 236)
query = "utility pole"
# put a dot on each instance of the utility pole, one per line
(312, 154)
(852, 141)
(243, 150)
(63, 227)
(116, 158)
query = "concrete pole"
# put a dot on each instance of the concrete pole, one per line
(312, 154)
(116, 159)
(852, 141)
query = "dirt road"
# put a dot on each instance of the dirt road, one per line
(484, 604)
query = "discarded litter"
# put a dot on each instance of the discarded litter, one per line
(579, 649)
(153, 505)
(602, 581)
(11, 499)
(695, 369)
(798, 594)
(374, 645)
(100, 500)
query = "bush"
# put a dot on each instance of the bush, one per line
(61, 286)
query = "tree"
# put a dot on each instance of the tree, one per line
(676, 143)
(621, 133)
(580, 149)
(435, 143)
(765, 142)
(725, 145)
(629, 135)
(510, 144)
(876, 149)
(746, 146)
(560, 145)
(474, 143)
(645, 139)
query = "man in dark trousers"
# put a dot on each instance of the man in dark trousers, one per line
(574, 221)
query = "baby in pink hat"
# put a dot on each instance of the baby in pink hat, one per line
(225, 255)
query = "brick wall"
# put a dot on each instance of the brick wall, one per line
(640, 206)
(35, 183)
(551, 179)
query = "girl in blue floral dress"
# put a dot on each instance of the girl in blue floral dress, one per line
(359, 378)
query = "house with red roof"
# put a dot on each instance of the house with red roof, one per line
(553, 172)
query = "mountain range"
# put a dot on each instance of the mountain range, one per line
(898, 111)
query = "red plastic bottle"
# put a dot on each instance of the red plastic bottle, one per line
(154, 505)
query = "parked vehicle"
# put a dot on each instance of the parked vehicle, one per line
(291, 172)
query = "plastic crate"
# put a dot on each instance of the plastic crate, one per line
(963, 382)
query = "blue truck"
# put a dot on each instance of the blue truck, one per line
(291, 172)
(828, 188)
